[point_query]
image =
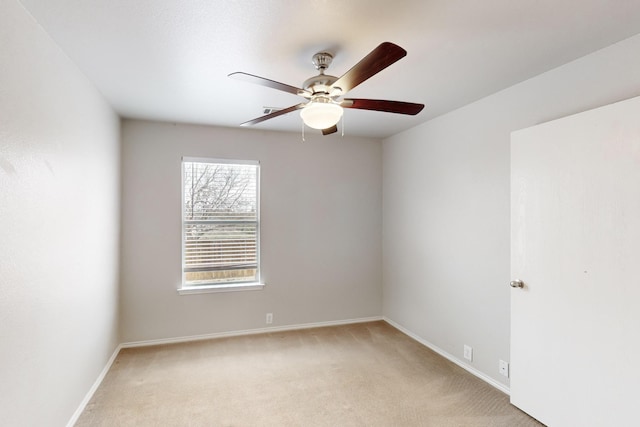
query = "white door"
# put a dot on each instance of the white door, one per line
(575, 244)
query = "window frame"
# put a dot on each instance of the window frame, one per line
(185, 289)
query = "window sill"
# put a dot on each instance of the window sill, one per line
(233, 287)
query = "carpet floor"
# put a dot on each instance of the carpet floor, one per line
(366, 374)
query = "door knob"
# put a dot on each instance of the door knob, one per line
(516, 284)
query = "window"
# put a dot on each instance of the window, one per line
(220, 223)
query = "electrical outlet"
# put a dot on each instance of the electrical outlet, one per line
(269, 318)
(503, 368)
(468, 353)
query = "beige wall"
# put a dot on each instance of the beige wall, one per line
(446, 204)
(321, 205)
(59, 203)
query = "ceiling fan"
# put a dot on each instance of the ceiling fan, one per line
(324, 106)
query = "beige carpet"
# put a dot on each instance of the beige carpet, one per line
(367, 374)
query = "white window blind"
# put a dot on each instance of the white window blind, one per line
(220, 222)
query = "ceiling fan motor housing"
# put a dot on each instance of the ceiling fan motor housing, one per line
(320, 84)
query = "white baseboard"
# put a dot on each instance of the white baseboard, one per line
(94, 387)
(503, 388)
(247, 332)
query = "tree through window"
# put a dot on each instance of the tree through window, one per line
(220, 222)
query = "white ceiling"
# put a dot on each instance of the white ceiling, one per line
(169, 59)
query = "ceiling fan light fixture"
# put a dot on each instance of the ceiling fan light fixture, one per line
(321, 113)
(322, 108)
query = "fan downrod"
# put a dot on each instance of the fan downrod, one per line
(320, 84)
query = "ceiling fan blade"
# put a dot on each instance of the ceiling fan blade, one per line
(377, 60)
(269, 83)
(382, 105)
(274, 114)
(329, 131)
